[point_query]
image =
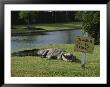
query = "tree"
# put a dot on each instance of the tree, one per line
(90, 23)
(14, 17)
(28, 17)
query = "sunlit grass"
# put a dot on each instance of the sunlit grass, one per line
(54, 26)
(42, 67)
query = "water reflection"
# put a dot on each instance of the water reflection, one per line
(67, 37)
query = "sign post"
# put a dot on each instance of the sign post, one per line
(83, 62)
(85, 45)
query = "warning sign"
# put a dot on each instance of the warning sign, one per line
(84, 44)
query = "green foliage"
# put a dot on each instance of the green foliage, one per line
(78, 16)
(90, 23)
(28, 16)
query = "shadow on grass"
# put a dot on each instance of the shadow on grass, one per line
(33, 28)
(77, 60)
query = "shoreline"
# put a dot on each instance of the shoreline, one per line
(41, 32)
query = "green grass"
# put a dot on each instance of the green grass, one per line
(55, 26)
(58, 26)
(42, 67)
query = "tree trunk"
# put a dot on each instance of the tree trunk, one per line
(28, 23)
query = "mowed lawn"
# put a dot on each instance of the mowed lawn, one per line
(46, 27)
(33, 66)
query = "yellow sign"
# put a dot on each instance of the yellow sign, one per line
(84, 44)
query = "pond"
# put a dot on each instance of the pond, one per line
(55, 37)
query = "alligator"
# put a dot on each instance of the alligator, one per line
(51, 53)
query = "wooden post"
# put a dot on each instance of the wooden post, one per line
(85, 45)
(83, 61)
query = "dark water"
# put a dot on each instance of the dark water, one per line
(31, 41)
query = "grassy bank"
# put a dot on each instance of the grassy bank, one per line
(36, 66)
(45, 27)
